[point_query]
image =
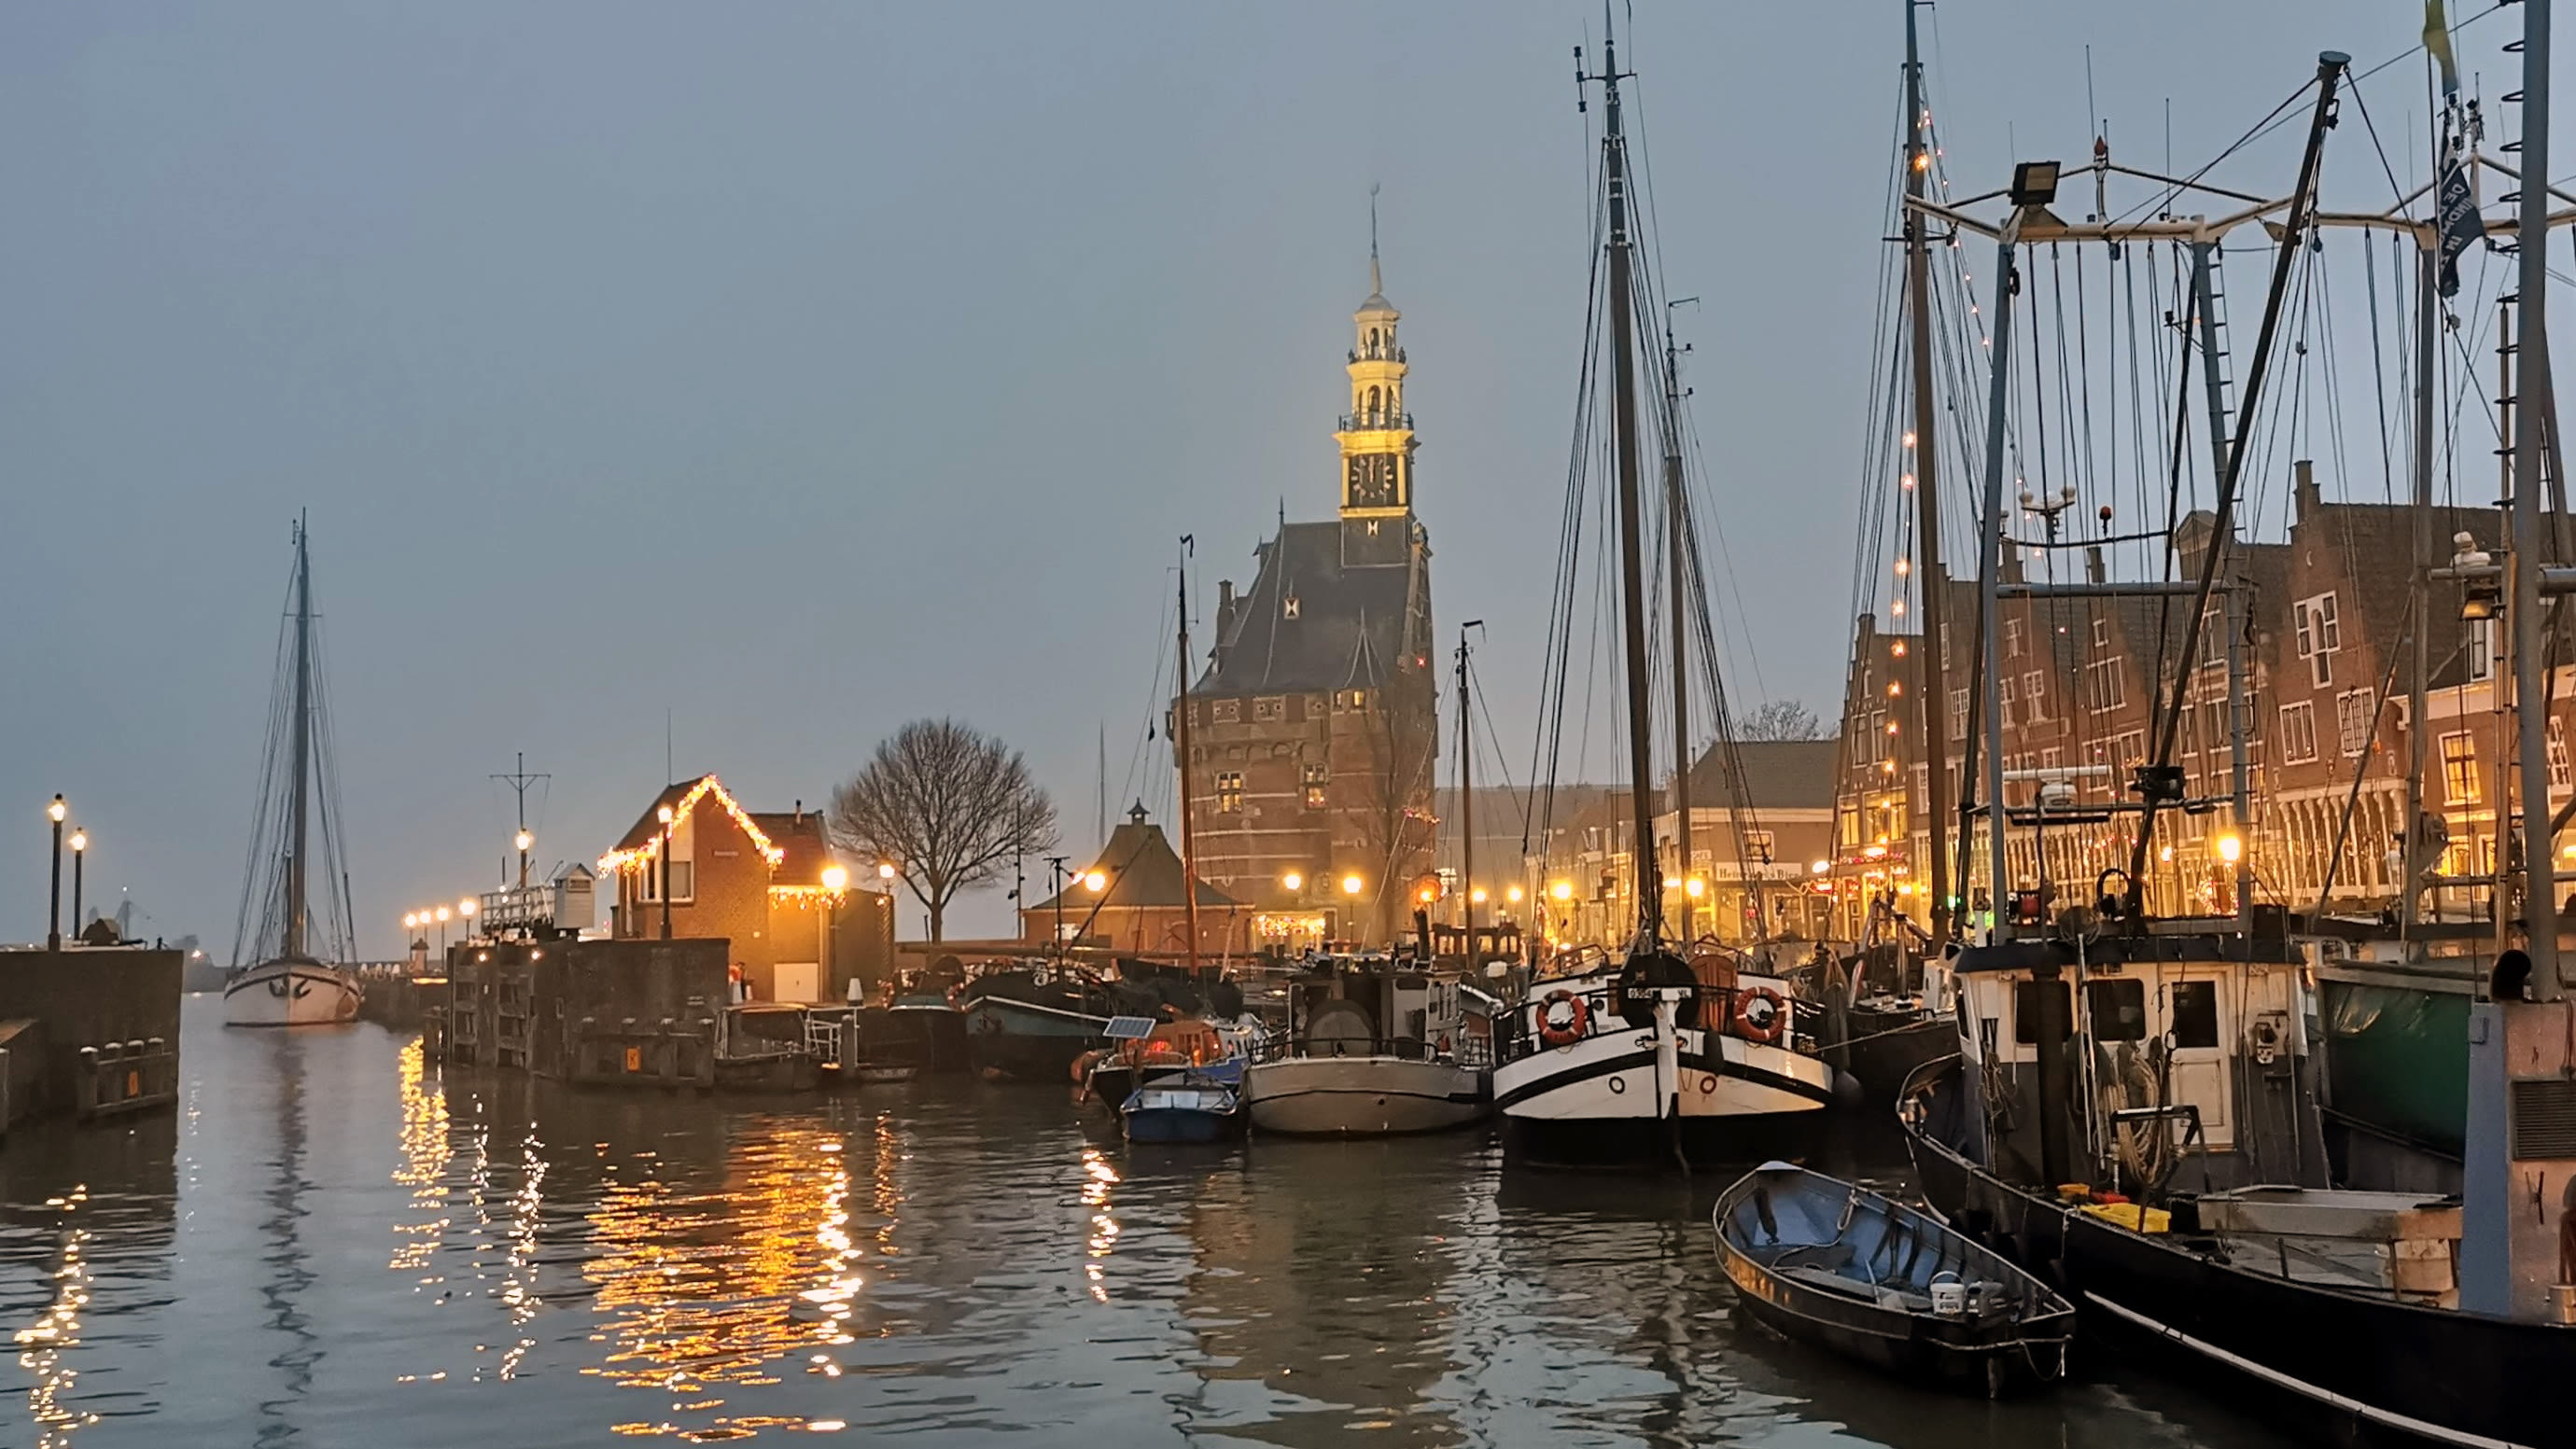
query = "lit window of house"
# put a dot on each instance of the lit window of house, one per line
(1315, 778)
(2459, 769)
(1229, 791)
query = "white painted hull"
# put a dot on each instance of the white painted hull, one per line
(1611, 1076)
(291, 993)
(1371, 1096)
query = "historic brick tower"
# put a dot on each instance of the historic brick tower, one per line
(1315, 726)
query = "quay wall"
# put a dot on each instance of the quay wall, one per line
(88, 996)
(622, 1012)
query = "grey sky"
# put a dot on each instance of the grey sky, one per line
(801, 369)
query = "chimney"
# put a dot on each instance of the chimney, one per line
(2093, 563)
(1224, 608)
(2303, 491)
(800, 812)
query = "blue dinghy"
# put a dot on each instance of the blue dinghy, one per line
(1836, 1265)
(1202, 1104)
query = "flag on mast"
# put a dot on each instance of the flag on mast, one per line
(2455, 198)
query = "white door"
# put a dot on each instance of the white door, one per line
(2199, 1026)
(797, 980)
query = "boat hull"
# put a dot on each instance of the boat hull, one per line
(1179, 1114)
(2015, 1343)
(1370, 1096)
(291, 993)
(1594, 1101)
(1027, 1041)
(2335, 1367)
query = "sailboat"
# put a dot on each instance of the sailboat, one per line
(1652, 1056)
(294, 979)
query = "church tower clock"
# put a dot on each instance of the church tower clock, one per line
(1377, 433)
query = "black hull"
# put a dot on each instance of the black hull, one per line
(1645, 1145)
(2334, 1368)
(1996, 1363)
(1882, 1057)
(935, 1035)
(1026, 1058)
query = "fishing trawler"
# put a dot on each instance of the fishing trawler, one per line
(294, 979)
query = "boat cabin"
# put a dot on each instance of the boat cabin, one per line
(1387, 1006)
(2172, 1060)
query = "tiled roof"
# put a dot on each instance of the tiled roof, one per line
(799, 835)
(1143, 870)
(1349, 626)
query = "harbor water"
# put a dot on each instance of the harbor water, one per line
(333, 1243)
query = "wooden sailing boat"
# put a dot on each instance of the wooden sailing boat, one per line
(295, 980)
(1645, 1059)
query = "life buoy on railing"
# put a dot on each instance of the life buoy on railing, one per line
(1761, 1016)
(1578, 1019)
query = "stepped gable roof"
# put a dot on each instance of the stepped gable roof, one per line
(1349, 629)
(1778, 775)
(1143, 870)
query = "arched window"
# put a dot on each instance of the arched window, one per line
(1372, 405)
(1372, 342)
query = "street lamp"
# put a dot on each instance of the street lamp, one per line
(54, 909)
(1292, 882)
(1095, 881)
(1351, 885)
(465, 908)
(664, 815)
(523, 840)
(442, 933)
(80, 853)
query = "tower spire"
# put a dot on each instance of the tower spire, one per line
(1377, 287)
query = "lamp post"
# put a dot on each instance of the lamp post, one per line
(835, 879)
(411, 936)
(465, 908)
(442, 935)
(1055, 867)
(664, 815)
(80, 854)
(54, 909)
(523, 840)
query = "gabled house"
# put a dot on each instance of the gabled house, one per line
(755, 879)
(1130, 899)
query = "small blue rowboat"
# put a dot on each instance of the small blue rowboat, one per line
(1201, 1105)
(1832, 1264)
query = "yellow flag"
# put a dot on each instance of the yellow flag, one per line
(2437, 44)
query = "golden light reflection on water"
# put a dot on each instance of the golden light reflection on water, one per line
(711, 1291)
(42, 1344)
(425, 1155)
(1098, 1178)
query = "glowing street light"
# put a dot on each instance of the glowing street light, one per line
(885, 870)
(1351, 884)
(1513, 894)
(1695, 887)
(1292, 881)
(80, 853)
(835, 878)
(1095, 881)
(54, 908)
(1476, 895)
(1563, 890)
(2231, 848)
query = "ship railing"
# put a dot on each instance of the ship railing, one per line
(1458, 1049)
(1517, 1035)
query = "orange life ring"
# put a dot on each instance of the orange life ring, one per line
(1578, 1021)
(1772, 1025)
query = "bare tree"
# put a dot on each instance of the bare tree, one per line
(1780, 719)
(948, 806)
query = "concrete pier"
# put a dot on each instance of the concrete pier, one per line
(88, 1031)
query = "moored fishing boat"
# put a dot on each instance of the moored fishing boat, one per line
(1846, 1269)
(1375, 1047)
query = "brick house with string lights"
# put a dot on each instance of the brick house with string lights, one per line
(764, 881)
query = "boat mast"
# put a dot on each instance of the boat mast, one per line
(1675, 516)
(1623, 422)
(303, 748)
(2539, 857)
(1934, 696)
(1466, 803)
(1181, 734)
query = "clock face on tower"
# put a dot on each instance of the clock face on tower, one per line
(1372, 481)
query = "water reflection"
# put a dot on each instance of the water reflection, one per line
(370, 1248)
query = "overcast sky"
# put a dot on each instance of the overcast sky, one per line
(801, 369)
